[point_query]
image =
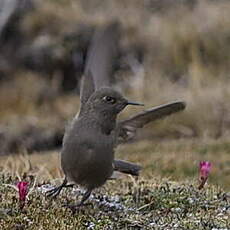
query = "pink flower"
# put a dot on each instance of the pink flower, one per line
(205, 168)
(22, 187)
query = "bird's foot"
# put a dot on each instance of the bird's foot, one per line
(54, 192)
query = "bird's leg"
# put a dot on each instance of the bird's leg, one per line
(55, 191)
(85, 197)
(74, 207)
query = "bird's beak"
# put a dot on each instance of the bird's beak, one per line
(134, 103)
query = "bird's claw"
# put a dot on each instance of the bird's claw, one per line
(53, 192)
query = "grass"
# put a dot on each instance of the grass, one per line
(176, 160)
(121, 204)
(165, 196)
(187, 58)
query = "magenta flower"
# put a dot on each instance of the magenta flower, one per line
(205, 168)
(22, 187)
(22, 191)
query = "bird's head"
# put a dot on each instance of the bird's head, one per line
(109, 100)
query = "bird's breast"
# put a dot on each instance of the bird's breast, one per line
(87, 157)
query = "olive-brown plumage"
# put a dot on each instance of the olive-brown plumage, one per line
(88, 149)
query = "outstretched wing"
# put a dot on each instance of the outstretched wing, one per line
(126, 129)
(100, 58)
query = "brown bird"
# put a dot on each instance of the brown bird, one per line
(87, 156)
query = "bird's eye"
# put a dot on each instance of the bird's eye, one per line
(109, 99)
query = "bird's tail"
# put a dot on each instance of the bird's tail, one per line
(127, 167)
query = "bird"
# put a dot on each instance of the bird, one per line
(87, 155)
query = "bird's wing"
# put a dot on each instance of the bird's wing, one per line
(87, 88)
(100, 58)
(126, 129)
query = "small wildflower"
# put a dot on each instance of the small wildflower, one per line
(205, 168)
(22, 187)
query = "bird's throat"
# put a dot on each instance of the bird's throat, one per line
(107, 123)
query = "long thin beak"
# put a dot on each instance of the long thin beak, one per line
(134, 103)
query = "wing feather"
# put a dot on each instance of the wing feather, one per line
(126, 129)
(100, 60)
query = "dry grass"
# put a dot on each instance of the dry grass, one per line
(154, 201)
(187, 57)
(124, 204)
(175, 160)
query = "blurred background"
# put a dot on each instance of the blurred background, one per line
(169, 50)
